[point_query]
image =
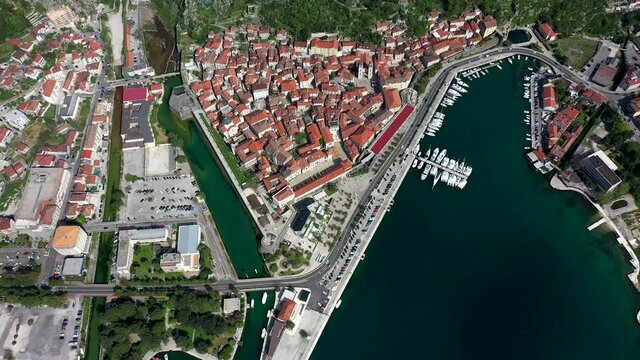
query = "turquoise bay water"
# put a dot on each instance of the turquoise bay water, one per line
(504, 269)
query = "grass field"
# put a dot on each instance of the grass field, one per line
(578, 50)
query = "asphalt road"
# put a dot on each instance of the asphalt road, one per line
(311, 279)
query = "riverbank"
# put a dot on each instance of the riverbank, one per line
(229, 213)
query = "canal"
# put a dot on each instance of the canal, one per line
(234, 223)
(105, 247)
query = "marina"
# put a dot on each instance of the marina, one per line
(489, 262)
(451, 172)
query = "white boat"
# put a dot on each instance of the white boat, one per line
(415, 163)
(457, 182)
(434, 171)
(458, 88)
(253, 302)
(509, 60)
(499, 67)
(438, 115)
(425, 173)
(431, 133)
(454, 92)
(441, 156)
(453, 164)
(518, 56)
(420, 164)
(436, 179)
(452, 180)
(435, 154)
(416, 149)
(530, 69)
(166, 356)
(263, 334)
(462, 183)
(426, 156)
(338, 303)
(464, 84)
(468, 170)
(264, 298)
(445, 176)
(445, 161)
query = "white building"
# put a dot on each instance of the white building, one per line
(14, 118)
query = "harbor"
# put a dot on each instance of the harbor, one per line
(459, 260)
(452, 172)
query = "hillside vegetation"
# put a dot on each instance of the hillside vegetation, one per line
(354, 18)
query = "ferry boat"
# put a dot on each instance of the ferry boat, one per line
(435, 154)
(441, 156)
(264, 298)
(338, 303)
(415, 163)
(436, 179)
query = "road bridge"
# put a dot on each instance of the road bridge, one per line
(108, 226)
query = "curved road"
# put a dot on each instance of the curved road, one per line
(312, 278)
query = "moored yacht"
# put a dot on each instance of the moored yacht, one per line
(434, 156)
(441, 156)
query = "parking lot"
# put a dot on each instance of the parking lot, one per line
(160, 197)
(41, 333)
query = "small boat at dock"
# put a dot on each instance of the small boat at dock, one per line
(264, 298)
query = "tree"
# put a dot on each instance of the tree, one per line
(202, 345)
(182, 339)
(304, 333)
(289, 325)
(181, 159)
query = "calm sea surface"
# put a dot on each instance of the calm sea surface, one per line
(504, 269)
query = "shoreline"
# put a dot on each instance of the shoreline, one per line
(454, 70)
(559, 185)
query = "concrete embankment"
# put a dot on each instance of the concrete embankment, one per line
(557, 184)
